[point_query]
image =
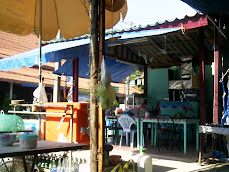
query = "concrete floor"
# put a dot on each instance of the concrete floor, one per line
(165, 160)
(173, 161)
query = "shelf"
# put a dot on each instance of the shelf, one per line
(50, 106)
(133, 101)
(38, 105)
(37, 113)
(16, 131)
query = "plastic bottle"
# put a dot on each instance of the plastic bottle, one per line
(54, 166)
(144, 162)
(76, 165)
(59, 166)
(50, 162)
(39, 160)
(43, 161)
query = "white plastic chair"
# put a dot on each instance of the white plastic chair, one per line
(126, 122)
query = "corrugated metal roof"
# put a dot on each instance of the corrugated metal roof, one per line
(164, 50)
(157, 25)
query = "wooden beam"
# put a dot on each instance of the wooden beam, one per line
(93, 78)
(202, 77)
(216, 79)
(164, 64)
(180, 55)
(154, 42)
(169, 43)
(124, 59)
(128, 51)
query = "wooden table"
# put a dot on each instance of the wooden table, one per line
(42, 147)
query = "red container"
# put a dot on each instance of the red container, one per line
(80, 119)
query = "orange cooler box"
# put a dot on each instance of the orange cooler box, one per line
(80, 123)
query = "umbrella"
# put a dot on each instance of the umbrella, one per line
(46, 17)
(71, 17)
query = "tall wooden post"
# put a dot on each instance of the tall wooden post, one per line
(202, 77)
(75, 79)
(202, 86)
(216, 79)
(101, 117)
(93, 77)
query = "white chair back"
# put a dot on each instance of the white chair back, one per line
(126, 122)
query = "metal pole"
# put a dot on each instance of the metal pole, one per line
(56, 88)
(40, 41)
(11, 90)
(75, 79)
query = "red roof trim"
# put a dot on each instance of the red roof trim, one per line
(188, 23)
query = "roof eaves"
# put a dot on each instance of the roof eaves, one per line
(131, 29)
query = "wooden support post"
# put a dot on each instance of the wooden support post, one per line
(202, 77)
(200, 149)
(101, 116)
(202, 83)
(216, 79)
(94, 78)
(75, 79)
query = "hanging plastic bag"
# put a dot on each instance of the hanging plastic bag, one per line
(105, 74)
(40, 95)
(104, 90)
(106, 96)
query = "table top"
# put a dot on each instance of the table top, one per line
(167, 120)
(215, 130)
(42, 147)
(178, 119)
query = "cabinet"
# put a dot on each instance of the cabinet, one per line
(64, 120)
(133, 101)
(185, 84)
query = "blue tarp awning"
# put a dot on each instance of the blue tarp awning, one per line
(78, 48)
(119, 71)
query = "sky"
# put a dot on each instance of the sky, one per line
(143, 12)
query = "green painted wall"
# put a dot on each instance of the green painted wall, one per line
(209, 91)
(157, 86)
